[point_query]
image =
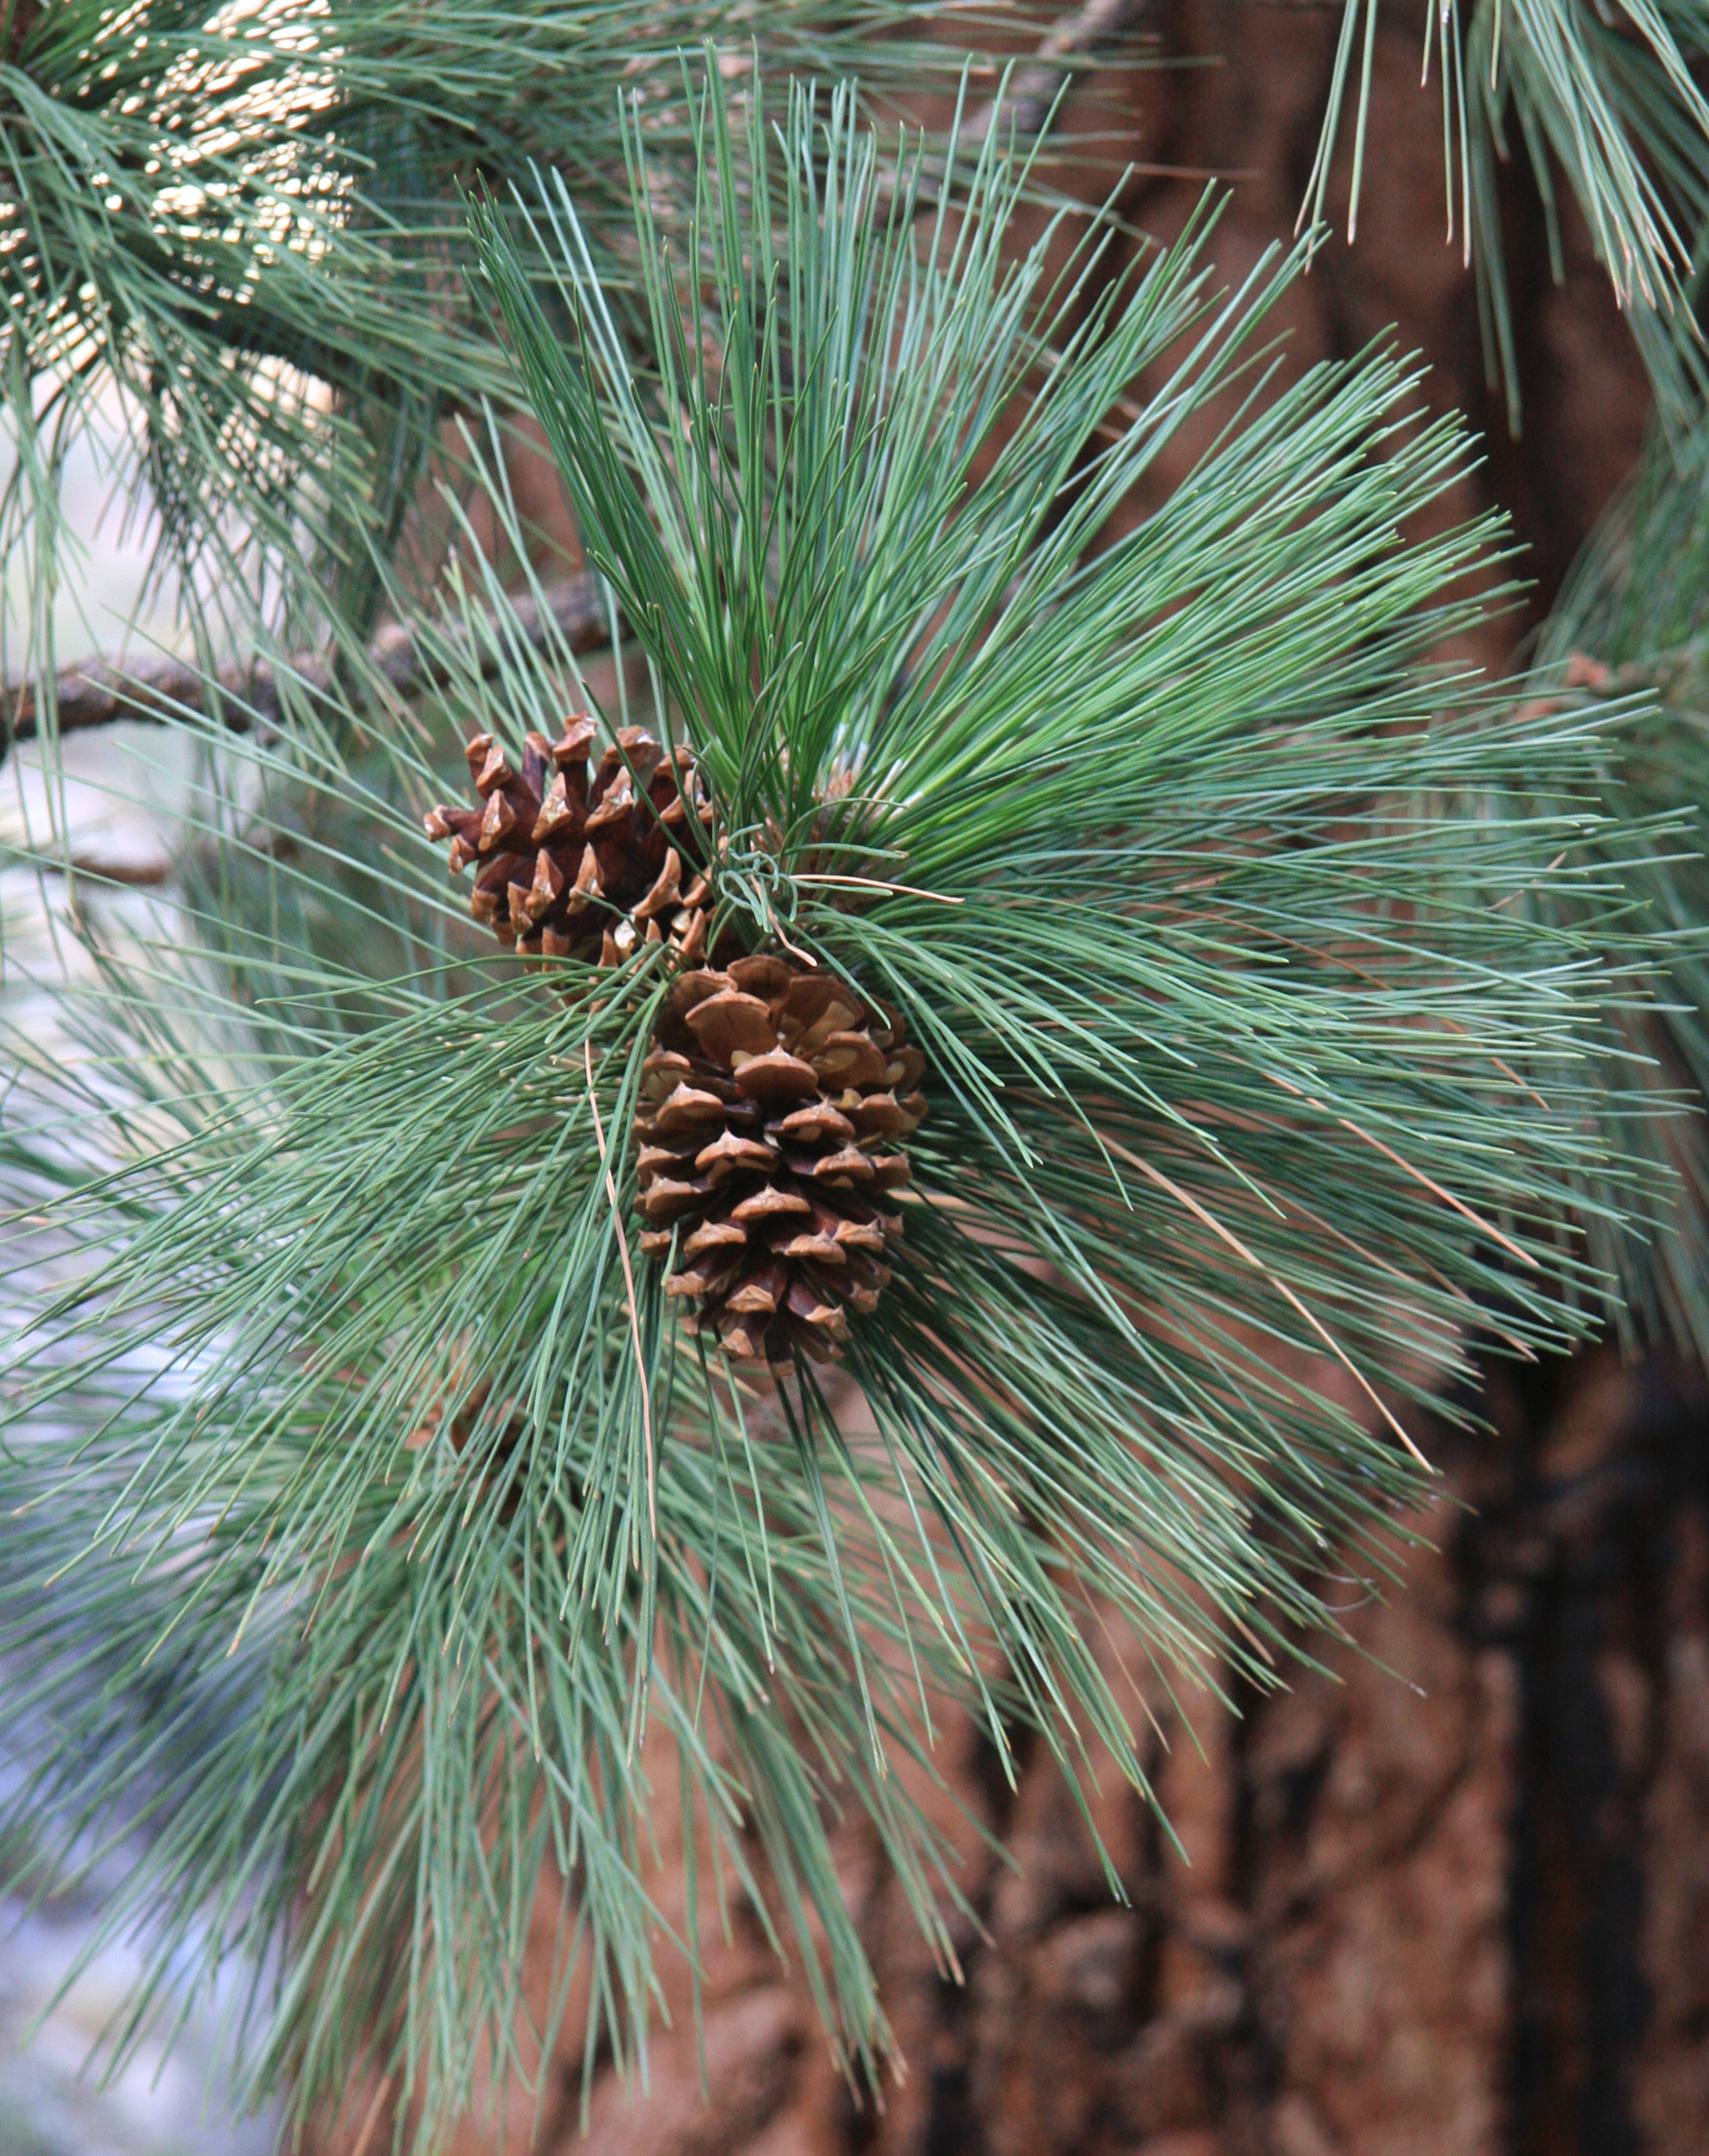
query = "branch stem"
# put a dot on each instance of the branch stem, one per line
(156, 688)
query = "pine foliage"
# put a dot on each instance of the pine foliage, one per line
(392, 1544)
(1606, 99)
(1629, 630)
(242, 227)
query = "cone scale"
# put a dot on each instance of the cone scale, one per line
(774, 1099)
(575, 860)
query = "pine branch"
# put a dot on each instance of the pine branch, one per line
(283, 365)
(160, 690)
(1632, 623)
(1031, 94)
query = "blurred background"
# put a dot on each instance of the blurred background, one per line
(161, 2105)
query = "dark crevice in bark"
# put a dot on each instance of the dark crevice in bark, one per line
(1569, 1563)
(996, 1788)
(1577, 1887)
(1148, 1960)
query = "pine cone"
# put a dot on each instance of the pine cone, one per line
(770, 1093)
(575, 867)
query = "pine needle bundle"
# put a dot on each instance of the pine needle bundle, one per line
(1628, 634)
(235, 233)
(1606, 99)
(396, 1508)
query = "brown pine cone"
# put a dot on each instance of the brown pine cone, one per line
(770, 1096)
(580, 866)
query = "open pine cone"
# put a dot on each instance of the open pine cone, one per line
(770, 1096)
(575, 866)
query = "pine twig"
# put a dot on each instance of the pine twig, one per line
(155, 689)
(1087, 29)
